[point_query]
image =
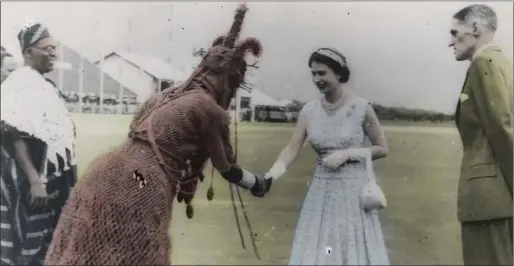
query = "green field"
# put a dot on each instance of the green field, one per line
(419, 179)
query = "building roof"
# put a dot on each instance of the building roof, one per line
(69, 63)
(154, 66)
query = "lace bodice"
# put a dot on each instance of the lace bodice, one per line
(341, 130)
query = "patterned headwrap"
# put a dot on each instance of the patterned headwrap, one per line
(332, 54)
(31, 34)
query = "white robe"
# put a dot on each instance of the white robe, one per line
(32, 105)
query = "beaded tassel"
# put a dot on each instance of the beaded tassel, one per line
(210, 192)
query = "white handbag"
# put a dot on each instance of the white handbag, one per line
(372, 197)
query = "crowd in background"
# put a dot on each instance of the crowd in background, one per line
(90, 103)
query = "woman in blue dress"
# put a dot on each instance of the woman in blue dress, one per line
(333, 228)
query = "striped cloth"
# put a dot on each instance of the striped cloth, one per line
(31, 34)
(26, 233)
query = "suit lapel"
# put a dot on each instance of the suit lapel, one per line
(487, 48)
(457, 110)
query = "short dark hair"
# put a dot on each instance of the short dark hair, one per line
(343, 71)
(483, 13)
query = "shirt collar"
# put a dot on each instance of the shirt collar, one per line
(481, 49)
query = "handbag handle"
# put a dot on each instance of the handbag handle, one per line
(369, 166)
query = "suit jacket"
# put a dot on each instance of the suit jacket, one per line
(484, 121)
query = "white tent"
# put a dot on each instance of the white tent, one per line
(286, 102)
(259, 98)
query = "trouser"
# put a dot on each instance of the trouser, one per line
(487, 242)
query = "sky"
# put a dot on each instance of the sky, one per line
(397, 51)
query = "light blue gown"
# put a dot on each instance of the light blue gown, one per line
(332, 228)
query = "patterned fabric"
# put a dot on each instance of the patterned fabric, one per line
(26, 233)
(332, 228)
(109, 219)
(47, 130)
(9, 234)
(31, 105)
(31, 34)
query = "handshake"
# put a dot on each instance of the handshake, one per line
(262, 185)
(263, 181)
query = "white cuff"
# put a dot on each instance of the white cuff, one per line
(278, 169)
(247, 181)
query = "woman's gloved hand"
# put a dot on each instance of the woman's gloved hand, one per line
(277, 170)
(341, 157)
(336, 159)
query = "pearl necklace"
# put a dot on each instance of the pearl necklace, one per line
(332, 106)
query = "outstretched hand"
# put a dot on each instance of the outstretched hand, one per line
(268, 175)
(262, 186)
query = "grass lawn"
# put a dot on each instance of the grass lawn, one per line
(419, 179)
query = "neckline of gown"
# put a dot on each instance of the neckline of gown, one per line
(340, 109)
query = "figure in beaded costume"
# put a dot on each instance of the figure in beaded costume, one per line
(119, 213)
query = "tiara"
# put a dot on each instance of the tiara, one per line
(332, 55)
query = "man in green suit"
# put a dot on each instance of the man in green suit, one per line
(484, 121)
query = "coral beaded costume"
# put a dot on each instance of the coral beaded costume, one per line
(119, 212)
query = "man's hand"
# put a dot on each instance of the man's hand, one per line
(262, 186)
(38, 196)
